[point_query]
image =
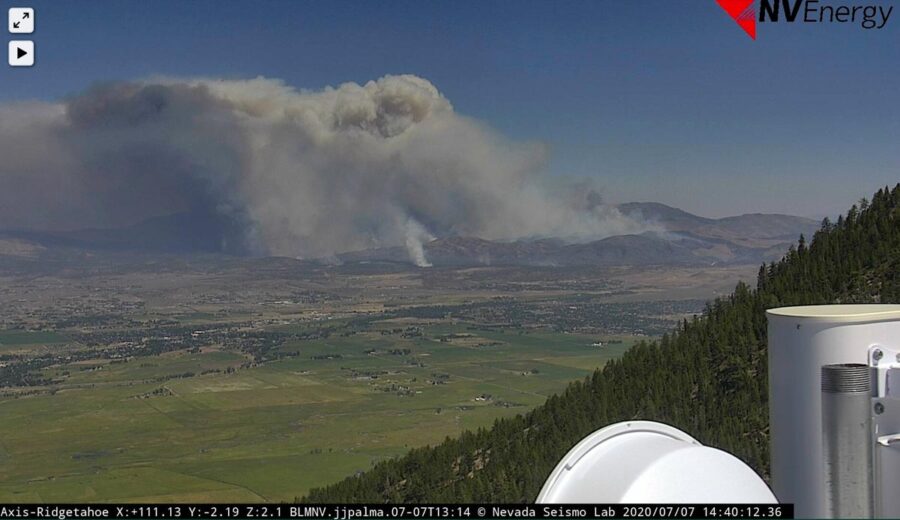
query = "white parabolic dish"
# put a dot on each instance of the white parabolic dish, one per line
(648, 462)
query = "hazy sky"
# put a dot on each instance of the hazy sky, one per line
(659, 100)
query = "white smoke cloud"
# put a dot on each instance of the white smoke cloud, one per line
(305, 173)
(416, 237)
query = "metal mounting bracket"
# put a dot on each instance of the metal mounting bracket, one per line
(886, 362)
(885, 410)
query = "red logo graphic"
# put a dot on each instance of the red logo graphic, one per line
(743, 13)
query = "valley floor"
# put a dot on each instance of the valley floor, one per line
(242, 384)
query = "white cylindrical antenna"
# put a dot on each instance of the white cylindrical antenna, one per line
(801, 341)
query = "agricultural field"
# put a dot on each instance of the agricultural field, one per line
(200, 425)
(182, 379)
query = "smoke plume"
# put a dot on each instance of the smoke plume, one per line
(294, 172)
(416, 236)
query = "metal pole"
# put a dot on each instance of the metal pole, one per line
(846, 431)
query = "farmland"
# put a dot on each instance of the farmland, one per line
(270, 432)
(232, 385)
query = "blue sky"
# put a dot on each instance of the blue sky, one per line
(657, 100)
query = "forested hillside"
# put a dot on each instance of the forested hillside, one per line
(708, 377)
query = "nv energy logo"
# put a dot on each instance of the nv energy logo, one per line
(744, 12)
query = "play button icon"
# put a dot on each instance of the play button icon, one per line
(21, 53)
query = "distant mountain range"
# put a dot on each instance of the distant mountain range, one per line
(682, 239)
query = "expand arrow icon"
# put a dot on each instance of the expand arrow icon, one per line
(16, 25)
(26, 15)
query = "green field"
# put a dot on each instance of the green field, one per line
(15, 338)
(141, 431)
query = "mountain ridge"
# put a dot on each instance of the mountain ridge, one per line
(682, 239)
